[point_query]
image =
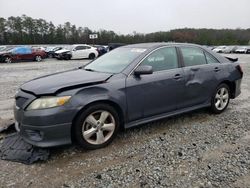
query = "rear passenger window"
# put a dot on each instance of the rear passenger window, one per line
(80, 48)
(210, 59)
(193, 56)
(162, 59)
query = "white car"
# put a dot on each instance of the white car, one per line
(229, 49)
(77, 51)
(219, 49)
(241, 50)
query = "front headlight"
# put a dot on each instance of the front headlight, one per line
(48, 102)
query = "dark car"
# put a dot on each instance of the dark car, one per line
(128, 86)
(51, 52)
(101, 49)
(248, 50)
(112, 46)
(20, 54)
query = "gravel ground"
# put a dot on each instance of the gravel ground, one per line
(197, 149)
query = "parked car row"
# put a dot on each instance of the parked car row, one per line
(232, 49)
(10, 54)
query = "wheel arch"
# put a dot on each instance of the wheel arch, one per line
(232, 87)
(108, 102)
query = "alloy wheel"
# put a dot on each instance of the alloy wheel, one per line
(221, 98)
(98, 127)
(8, 60)
(38, 58)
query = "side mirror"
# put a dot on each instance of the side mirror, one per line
(144, 69)
(74, 49)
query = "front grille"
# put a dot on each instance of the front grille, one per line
(20, 101)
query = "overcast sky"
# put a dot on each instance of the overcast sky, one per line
(126, 16)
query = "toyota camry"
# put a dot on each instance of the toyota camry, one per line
(129, 86)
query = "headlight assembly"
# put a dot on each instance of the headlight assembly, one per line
(48, 102)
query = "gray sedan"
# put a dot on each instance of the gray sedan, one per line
(128, 86)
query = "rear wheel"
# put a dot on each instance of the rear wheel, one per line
(97, 126)
(91, 56)
(220, 99)
(38, 58)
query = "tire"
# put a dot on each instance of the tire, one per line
(68, 57)
(92, 56)
(90, 122)
(38, 58)
(220, 99)
(50, 56)
(7, 60)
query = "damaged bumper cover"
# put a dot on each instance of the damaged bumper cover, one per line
(45, 128)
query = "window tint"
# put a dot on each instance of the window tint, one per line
(193, 56)
(22, 50)
(210, 58)
(162, 59)
(80, 48)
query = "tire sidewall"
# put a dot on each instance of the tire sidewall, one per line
(92, 56)
(40, 58)
(213, 107)
(77, 127)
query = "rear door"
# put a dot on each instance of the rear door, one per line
(79, 52)
(157, 93)
(201, 76)
(27, 53)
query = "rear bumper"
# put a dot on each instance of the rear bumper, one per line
(237, 91)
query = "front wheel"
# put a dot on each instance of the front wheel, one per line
(8, 60)
(220, 99)
(97, 126)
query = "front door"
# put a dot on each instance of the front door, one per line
(157, 93)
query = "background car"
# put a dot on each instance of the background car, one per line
(101, 49)
(50, 51)
(2, 48)
(112, 46)
(78, 51)
(21, 53)
(229, 49)
(241, 50)
(248, 50)
(219, 49)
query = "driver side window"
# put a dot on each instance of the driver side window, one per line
(162, 59)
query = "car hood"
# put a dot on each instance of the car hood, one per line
(62, 51)
(57, 82)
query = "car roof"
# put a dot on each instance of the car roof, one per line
(159, 44)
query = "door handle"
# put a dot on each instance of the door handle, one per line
(195, 69)
(216, 69)
(177, 76)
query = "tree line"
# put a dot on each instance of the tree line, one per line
(26, 30)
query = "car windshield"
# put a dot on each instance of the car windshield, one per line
(9, 49)
(115, 61)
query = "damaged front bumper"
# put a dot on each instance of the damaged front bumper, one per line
(44, 128)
